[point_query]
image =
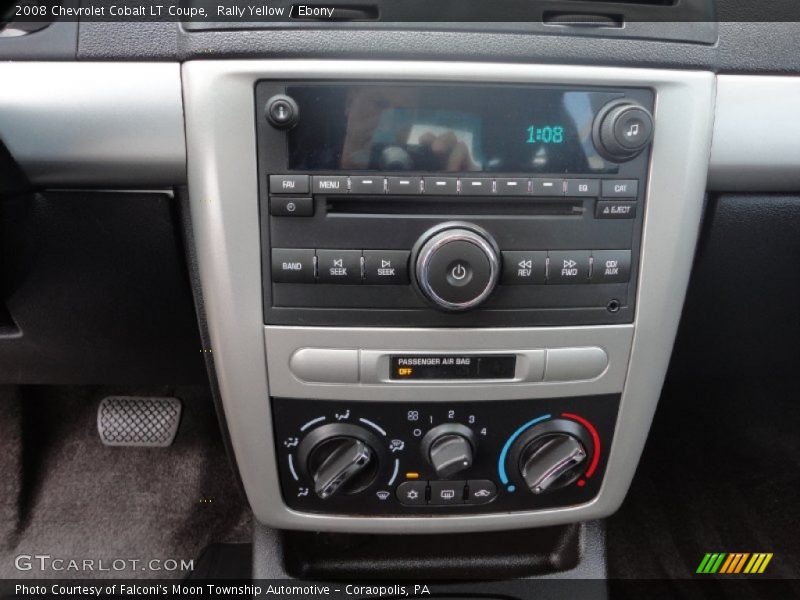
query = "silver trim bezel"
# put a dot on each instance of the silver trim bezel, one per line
(221, 142)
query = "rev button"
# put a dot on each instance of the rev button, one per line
(339, 266)
(520, 267)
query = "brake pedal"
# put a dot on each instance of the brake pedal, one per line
(138, 421)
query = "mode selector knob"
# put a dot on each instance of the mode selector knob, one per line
(449, 448)
(340, 459)
(456, 265)
(622, 130)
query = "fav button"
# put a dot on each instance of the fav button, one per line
(480, 491)
(385, 266)
(445, 493)
(289, 184)
(520, 267)
(412, 493)
(569, 266)
(339, 266)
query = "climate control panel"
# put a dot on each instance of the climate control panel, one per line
(401, 458)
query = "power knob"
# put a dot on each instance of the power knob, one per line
(622, 130)
(339, 459)
(456, 265)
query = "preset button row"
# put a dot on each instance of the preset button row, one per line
(293, 265)
(566, 266)
(451, 186)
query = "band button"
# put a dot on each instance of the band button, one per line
(290, 265)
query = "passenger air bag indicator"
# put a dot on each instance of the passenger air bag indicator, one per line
(452, 366)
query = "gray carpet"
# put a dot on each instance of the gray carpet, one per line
(66, 495)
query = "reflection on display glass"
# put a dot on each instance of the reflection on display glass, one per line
(445, 129)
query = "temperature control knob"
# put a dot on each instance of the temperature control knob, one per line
(340, 459)
(551, 462)
(456, 265)
(449, 448)
(552, 455)
(622, 130)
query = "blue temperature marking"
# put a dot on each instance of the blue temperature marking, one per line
(501, 463)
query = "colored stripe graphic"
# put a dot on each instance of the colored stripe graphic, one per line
(734, 563)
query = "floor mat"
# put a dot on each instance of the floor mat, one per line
(720, 473)
(76, 499)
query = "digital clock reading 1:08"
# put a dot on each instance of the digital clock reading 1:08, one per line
(548, 134)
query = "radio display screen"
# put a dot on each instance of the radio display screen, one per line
(451, 128)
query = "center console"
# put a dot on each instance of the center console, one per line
(441, 297)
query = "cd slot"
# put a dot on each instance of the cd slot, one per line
(449, 206)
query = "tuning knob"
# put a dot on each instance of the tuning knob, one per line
(552, 455)
(339, 458)
(456, 265)
(449, 448)
(622, 130)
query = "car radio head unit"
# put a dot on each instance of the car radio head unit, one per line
(407, 204)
